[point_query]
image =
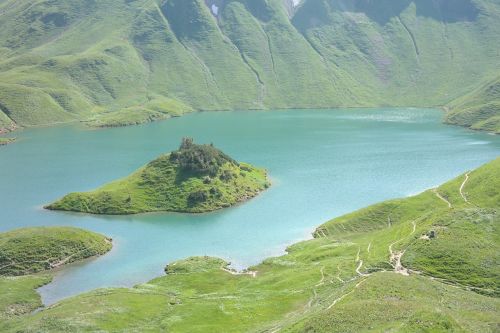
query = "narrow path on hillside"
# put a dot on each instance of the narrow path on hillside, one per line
(346, 294)
(395, 256)
(322, 281)
(441, 197)
(462, 187)
(359, 261)
(338, 275)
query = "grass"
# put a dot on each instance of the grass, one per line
(156, 109)
(25, 252)
(479, 109)
(31, 250)
(116, 63)
(462, 251)
(18, 295)
(343, 280)
(391, 302)
(171, 183)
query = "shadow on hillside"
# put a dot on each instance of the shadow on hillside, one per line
(313, 12)
(381, 11)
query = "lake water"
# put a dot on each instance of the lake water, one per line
(323, 163)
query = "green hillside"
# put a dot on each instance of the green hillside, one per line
(34, 250)
(479, 109)
(31, 250)
(424, 263)
(114, 63)
(194, 179)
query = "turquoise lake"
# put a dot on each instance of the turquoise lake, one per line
(323, 163)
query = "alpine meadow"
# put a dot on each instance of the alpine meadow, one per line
(380, 117)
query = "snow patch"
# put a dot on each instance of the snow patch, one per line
(215, 9)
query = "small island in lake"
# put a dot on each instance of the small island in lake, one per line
(193, 179)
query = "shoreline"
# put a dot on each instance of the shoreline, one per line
(334, 108)
(6, 141)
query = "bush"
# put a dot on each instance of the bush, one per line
(200, 159)
(226, 175)
(197, 197)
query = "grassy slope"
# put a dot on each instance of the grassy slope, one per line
(412, 53)
(479, 109)
(164, 185)
(31, 250)
(324, 284)
(18, 295)
(124, 62)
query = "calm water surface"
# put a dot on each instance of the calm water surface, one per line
(322, 163)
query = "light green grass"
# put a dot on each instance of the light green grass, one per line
(479, 109)
(165, 184)
(388, 302)
(341, 281)
(18, 295)
(155, 109)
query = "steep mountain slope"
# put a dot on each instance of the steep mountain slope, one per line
(141, 60)
(479, 109)
(416, 52)
(424, 263)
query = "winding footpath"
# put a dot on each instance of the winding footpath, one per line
(346, 294)
(395, 256)
(441, 197)
(462, 187)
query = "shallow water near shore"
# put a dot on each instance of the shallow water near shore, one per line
(323, 163)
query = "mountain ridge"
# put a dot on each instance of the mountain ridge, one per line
(119, 63)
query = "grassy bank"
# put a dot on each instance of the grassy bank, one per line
(194, 179)
(479, 109)
(6, 141)
(399, 263)
(31, 250)
(27, 257)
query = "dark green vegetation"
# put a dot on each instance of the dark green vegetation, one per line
(425, 263)
(33, 250)
(115, 62)
(194, 179)
(480, 109)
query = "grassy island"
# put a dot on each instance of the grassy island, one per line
(194, 179)
(424, 263)
(26, 257)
